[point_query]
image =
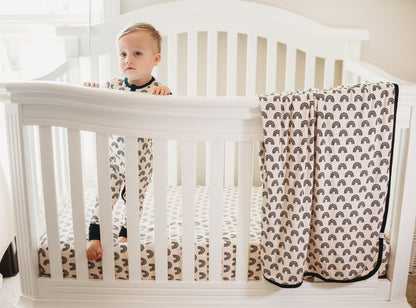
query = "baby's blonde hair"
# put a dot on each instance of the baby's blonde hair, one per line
(143, 27)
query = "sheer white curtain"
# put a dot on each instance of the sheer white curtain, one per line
(30, 48)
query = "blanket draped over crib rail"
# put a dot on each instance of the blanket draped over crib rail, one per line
(326, 166)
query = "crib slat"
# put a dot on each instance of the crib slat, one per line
(243, 213)
(309, 71)
(400, 149)
(58, 165)
(251, 64)
(207, 163)
(212, 60)
(290, 68)
(216, 209)
(232, 63)
(49, 195)
(329, 73)
(64, 138)
(192, 63)
(271, 66)
(133, 220)
(188, 206)
(113, 64)
(173, 63)
(230, 160)
(61, 166)
(202, 163)
(173, 162)
(31, 137)
(256, 164)
(77, 194)
(160, 148)
(104, 199)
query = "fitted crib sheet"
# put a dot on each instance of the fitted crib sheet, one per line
(174, 198)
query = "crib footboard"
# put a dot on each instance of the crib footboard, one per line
(35, 110)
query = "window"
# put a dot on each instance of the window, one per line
(29, 46)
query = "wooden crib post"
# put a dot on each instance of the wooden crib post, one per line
(403, 233)
(25, 230)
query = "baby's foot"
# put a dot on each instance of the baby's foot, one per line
(122, 239)
(94, 250)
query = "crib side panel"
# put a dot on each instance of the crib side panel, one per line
(188, 172)
(217, 180)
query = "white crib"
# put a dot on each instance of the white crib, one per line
(217, 56)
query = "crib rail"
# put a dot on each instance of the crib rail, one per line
(189, 120)
(235, 118)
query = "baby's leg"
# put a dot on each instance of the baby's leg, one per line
(94, 250)
(122, 239)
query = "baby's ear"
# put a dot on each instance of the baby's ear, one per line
(157, 59)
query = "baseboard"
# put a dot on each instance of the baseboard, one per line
(70, 293)
(25, 303)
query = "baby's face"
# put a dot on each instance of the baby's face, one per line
(137, 56)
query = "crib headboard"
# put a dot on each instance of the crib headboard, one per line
(227, 47)
(224, 48)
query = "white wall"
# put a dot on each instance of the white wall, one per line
(392, 27)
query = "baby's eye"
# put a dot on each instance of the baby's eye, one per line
(138, 53)
(123, 54)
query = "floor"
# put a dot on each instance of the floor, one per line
(9, 291)
(411, 290)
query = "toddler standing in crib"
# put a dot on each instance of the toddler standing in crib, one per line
(139, 51)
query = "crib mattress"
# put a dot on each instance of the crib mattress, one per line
(174, 238)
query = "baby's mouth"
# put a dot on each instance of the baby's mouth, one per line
(130, 68)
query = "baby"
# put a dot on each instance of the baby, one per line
(139, 51)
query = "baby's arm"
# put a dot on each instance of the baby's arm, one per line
(161, 90)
